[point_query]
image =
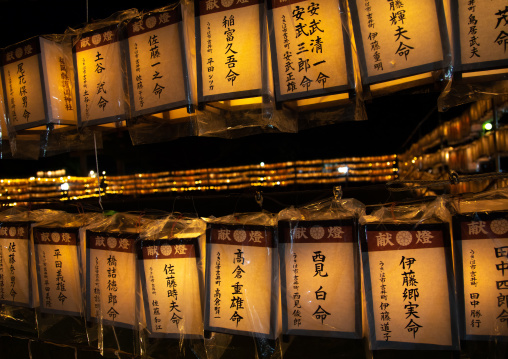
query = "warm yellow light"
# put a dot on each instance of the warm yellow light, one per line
(405, 82)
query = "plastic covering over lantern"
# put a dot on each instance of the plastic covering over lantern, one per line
(398, 39)
(38, 83)
(100, 76)
(311, 51)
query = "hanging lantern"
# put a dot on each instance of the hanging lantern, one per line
(481, 245)
(399, 43)
(57, 260)
(158, 73)
(100, 77)
(111, 278)
(320, 278)
(38, 83)
(409, 286)
(242, 282)
(311, 52)
(170, 278)
(16, 285)
(3, 116)
(230, 52)
(480, 38)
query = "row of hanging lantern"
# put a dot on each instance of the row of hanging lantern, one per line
(406, 256)
(247, 54)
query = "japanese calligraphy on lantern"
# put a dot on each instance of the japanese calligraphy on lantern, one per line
(158, 69)
(482, 33)
(100, 77)
(482, 273)
(241, 294)
(171, 287)
(229, 48)
(320, 279)
(39, 84)
(58, 270)
(3, 123)
(15, 279)
(23, 84)
(411, 297)
(111, 277)
(311, 57)
(398, 37)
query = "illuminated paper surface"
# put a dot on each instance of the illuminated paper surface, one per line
(320, 279)
(23, 84)
(39, 85)
(171, 288)
(482, 272)
(111, 278)
(482, 32)
(59, 82)
(397, 38)
(157, 69)
(241, 264)
(310, 53)
(100, 77)
(229, 60)
(409, 293)
(3, 114)
(15, 279)
(58, 270)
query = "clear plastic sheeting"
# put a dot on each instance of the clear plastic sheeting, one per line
(480, 228)
(321, 277)
(480, 64)
(112, 283)
(61, 314)
(18, 282)
(171, 263)
(242, 287)
(408, 275)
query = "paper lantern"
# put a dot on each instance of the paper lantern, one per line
(230, 51)
(38, 83)
(158, 73)
(311, 52)
(57, 261)
(399, 41)
(409, 286)
(320, 278)
(16, 285)
(100, 77)
(241, 280)
(481, 258)
(480, 37)
(172, 287)
(3, 116)
(111, 278)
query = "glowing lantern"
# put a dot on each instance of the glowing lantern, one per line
(481, 261)
(409, 286)
(58, 270)
(38, 83)
(242, 282)
(320, 278)
(3, 115)
(16, 283)
(310, 51)
(230, 50)
(480, 31)
(399, 42)
(100, 77)
(170, 277)
(158, 74)
(111, 278)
